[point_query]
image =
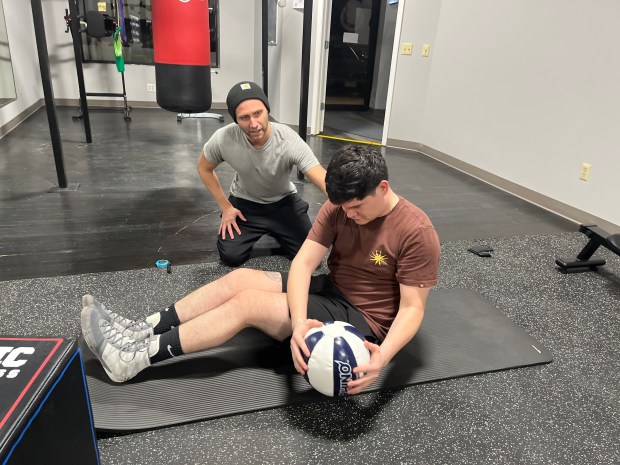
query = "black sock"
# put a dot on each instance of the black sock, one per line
(168, 319)
(169, 346)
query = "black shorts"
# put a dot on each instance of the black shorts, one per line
(327, 303)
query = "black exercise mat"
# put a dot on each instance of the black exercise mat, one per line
(462, 334)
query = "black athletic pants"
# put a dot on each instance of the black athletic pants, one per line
(286, 221)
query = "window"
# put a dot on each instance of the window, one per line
(139, 46)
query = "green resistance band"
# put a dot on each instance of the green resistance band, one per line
(118, 50)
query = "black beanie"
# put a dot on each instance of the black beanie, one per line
(245, 90)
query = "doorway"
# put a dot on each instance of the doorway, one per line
(352, 48)
(361, 38)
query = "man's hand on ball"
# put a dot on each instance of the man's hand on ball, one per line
(298, 343)
(371, 370)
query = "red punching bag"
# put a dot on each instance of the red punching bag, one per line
(182, 52)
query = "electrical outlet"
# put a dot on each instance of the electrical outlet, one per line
(150, 87)
(426, 50)
(585, 171)
(406, 49)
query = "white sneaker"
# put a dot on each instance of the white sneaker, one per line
(122, 357)
(136, 330)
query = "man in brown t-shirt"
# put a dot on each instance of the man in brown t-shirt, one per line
(383, 260)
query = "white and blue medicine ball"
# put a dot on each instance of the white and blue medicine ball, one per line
(335, 350)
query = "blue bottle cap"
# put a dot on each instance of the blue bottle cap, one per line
(162, 263)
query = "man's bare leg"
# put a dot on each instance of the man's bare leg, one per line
(212, 295)
(202, 300)
(216, 293)
(264, 310)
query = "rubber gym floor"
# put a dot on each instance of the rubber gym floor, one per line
(140, 199)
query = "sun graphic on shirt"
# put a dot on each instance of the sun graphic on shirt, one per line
(378, 258)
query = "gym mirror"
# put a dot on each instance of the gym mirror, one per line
(7, 84)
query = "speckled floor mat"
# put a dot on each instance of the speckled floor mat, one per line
(576, 316)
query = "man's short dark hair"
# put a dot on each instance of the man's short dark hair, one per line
(354, 172)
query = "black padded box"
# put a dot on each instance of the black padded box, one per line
(45, 414)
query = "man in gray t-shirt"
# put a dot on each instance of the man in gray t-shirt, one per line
(262, 199)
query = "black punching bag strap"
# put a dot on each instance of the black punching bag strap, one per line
(182, 52)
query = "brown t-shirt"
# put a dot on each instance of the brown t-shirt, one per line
(368, 262)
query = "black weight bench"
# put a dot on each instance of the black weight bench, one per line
(583, 261)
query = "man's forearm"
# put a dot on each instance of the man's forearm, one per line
(297, 292)
(403, 329)
(305, 262)
(316, 175)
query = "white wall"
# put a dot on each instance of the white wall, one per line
(285, 66)
(23, 56)
(413, 72)
(523, 89)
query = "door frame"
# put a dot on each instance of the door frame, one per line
(318, 78)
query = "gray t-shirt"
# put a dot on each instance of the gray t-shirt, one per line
(262, 175)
